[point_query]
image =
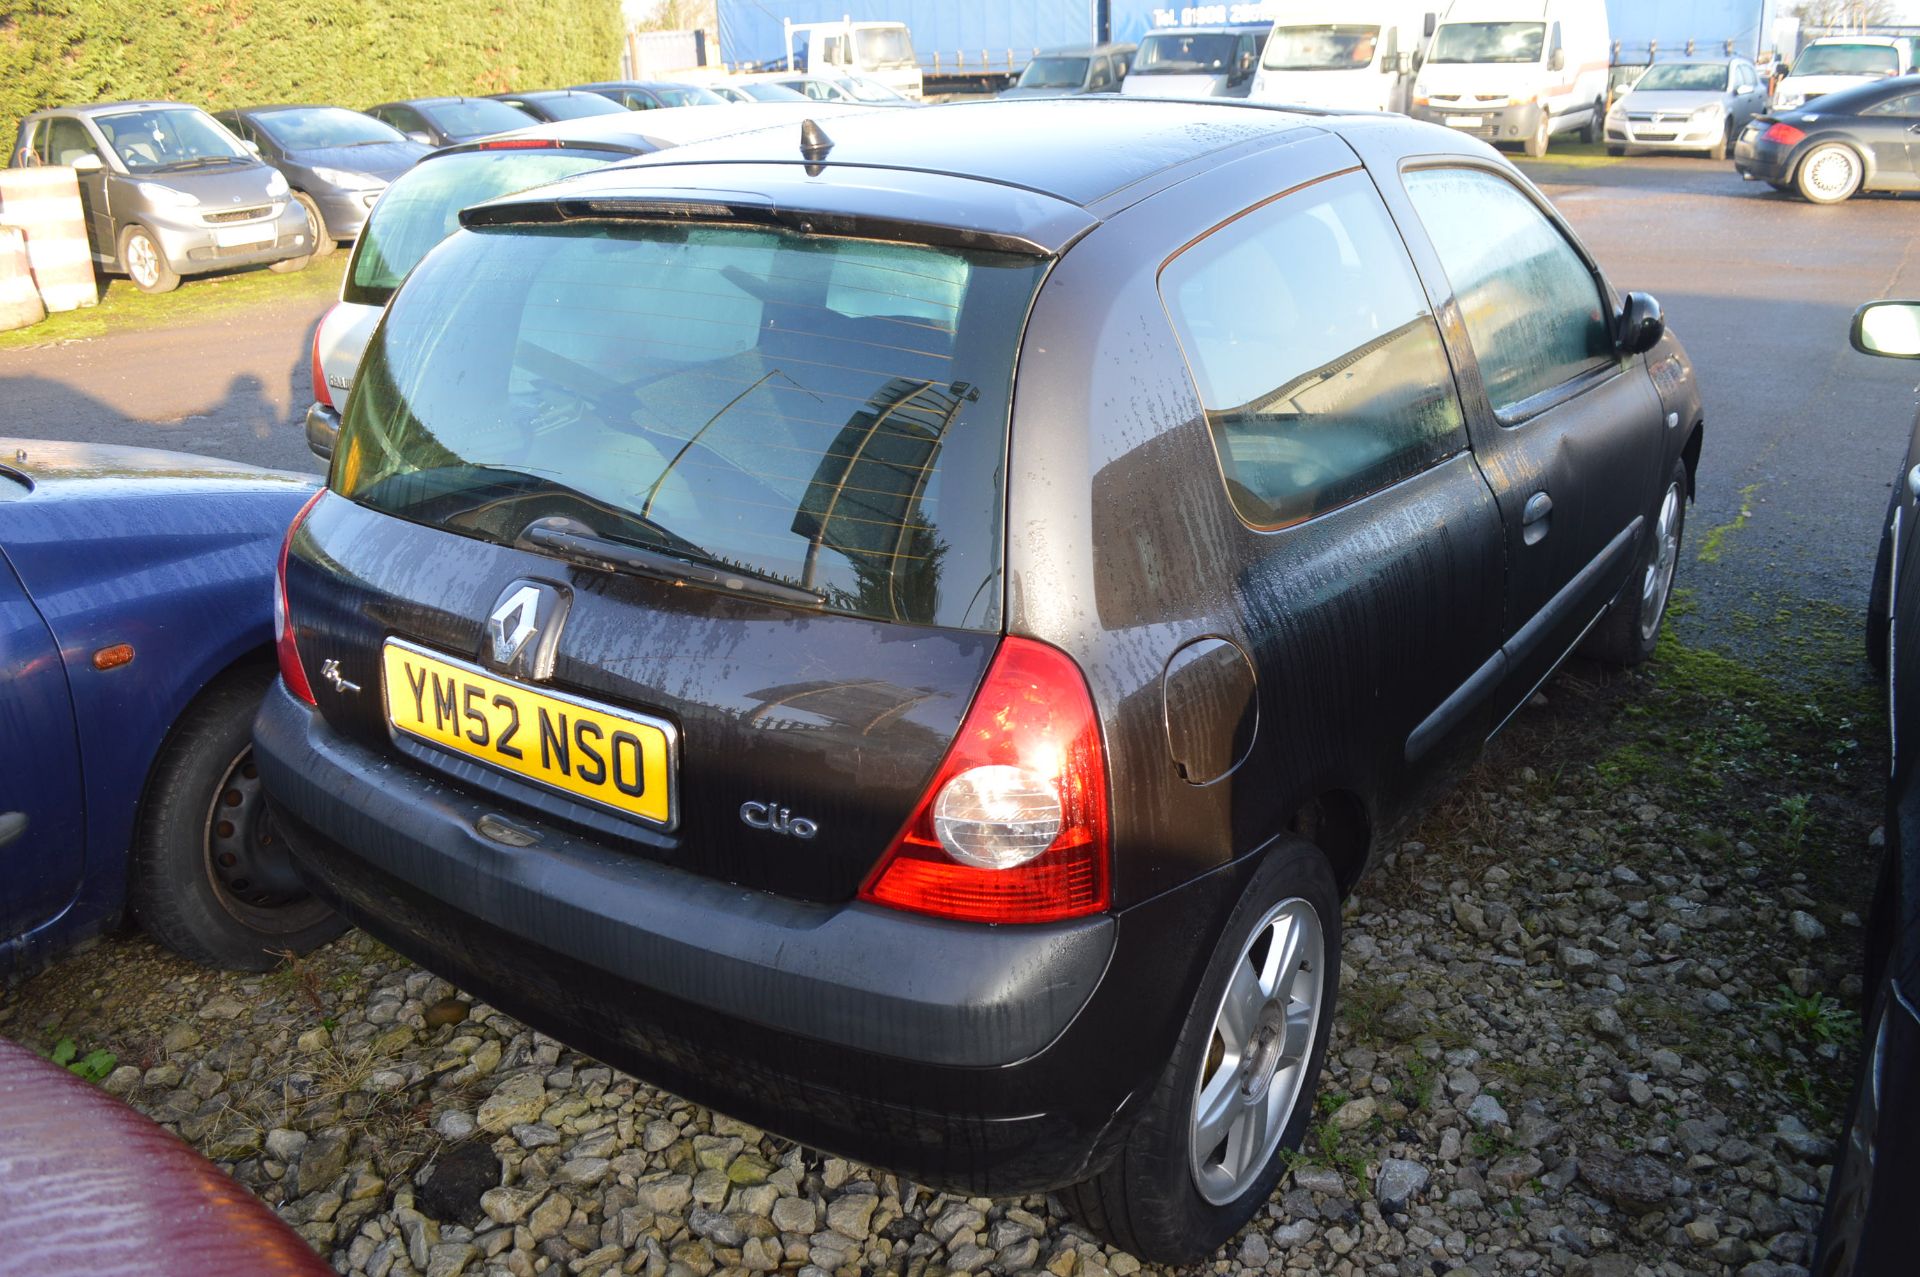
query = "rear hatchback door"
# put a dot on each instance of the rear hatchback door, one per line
(686, 535)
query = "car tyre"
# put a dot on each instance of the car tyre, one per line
(1829, 174)
(1724, 147)
(1592, 130)
(323, 243)
(1536, 146)
(202, 827)
(1616, 151)
(1630, 630)
(1150, 1199)
(145, 264)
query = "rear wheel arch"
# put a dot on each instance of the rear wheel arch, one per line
(251, 663)
(1337, 822)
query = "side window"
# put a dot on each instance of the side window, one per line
(1907, 107)
(1101, 77)
(1316, 358)
(1533, 310)
(1122, 63)
(67, 141)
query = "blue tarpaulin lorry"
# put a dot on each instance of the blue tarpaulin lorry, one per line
(956, 44)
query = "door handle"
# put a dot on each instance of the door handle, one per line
(1534, 518)
(12, 825)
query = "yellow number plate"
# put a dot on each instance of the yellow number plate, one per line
(609, 757)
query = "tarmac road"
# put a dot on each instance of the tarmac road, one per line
(1802, 434)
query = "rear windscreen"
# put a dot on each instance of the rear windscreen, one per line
(827, 414)
(423, 205)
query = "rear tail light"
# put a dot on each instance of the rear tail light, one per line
(1013, 827)
(321, 394)
(1785, 134)
(292, 672)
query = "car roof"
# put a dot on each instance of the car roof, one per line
(639, 84)
(943, 174)
(439, 101)
(680, 125)
(1084, 50)
(114, 108)
(1076, 150)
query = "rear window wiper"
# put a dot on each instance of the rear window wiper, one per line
(574, 542)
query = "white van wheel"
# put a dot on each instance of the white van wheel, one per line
(1536, 146)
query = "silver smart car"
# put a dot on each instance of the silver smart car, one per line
(167, 191)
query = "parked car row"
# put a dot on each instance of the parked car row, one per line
(170, 191)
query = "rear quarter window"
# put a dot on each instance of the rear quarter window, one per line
(1317, 360)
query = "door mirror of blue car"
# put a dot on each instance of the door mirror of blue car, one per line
(1891, 329)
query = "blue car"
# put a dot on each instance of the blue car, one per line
(136, 638)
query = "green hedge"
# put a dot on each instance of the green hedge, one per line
(222, 53)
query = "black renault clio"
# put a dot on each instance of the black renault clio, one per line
(907, 638)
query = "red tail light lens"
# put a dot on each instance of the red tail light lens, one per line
(1786, 135)
(1014, 826)
(292, 672)
(321, 394)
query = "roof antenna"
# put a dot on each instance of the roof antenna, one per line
(814, 145)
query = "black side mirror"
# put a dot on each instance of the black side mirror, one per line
(1432, 24)
(1557, 60)
(323, 430)
(1640, 325)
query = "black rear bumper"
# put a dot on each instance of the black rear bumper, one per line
(988, 1059)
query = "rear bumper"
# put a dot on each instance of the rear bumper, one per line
(1759, 160)
(990, 1059)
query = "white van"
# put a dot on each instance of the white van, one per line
(1835, 62)
(1345, 55)
(1518, 71)
(880, 51)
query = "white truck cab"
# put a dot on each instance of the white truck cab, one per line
(1835, 62)
(880, 51)
(1517, 71)
(1345, 55)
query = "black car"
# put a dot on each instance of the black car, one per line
(1865, 138)
(337, 161)
(1868, 1224)
(912, 652)
(450, 121)
(553, 105)
(648, 95)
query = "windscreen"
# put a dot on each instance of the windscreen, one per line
(1489, 42)
(763, 92)
(1701, 77)
(861, 89)
(314, 128)
(1321, 48)
(423, 205)
(884, 46)
(475, 117)
(577, 106)
(685, 95)
(1849, 59)
(163, 138)
(826, 414)
(1054, 73)
(1185, 53)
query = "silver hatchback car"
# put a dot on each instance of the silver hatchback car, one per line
(1699, 105)
(167, 191)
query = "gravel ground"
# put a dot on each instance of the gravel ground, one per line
(1595, 1019)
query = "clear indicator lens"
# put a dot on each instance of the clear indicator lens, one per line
(997, 817)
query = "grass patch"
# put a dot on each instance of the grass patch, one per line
(1715, 541)
(1566, 153)
(124, 308)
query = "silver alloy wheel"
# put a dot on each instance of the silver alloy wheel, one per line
(1255, 1068)
(1831, 173)
(143, 259)
(1658, 583)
